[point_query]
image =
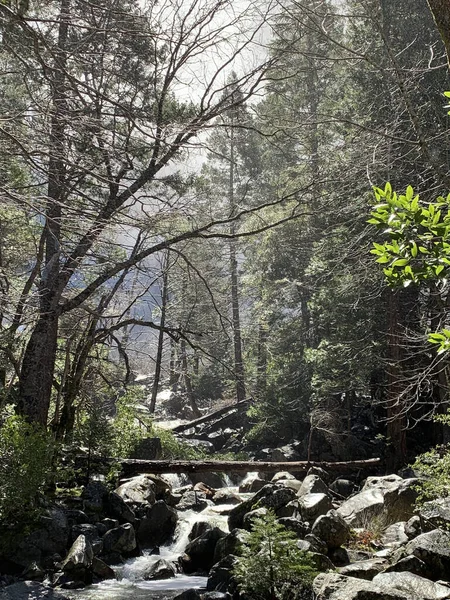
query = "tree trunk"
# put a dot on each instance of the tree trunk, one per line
(396, 455)
(261, 368)
(441, 14)
(187, 379)
(236, 320)
(38, 365)
(159, 353)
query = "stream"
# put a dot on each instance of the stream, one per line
(130, 582)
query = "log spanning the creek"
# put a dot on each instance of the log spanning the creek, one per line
(132, 467)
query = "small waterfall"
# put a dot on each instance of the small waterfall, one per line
(130, 583)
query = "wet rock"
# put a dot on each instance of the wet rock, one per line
(101, 570)
(366, 569)
(161, 569)
(31, 590)
(199, 529)
(188, 595)
(205, 489)
(34, 572)
(79, 557)
(332, 529)
(226, 496)
(158, 525)
(413, 586)
(199, 554)
(120, 540)
(193, 500)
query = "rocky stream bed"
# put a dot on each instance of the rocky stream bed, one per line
(157, 536)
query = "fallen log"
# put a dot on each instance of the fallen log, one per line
(211, 416)
(131, 467)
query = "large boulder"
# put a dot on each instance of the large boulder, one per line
(435, 514)
(313, 506)
(252, 483)
(199, 554)
(221, 576)
(332, 586)
(390, 498)
(138, 491)
(119, 509)
(158, 525)
(80, 555)
(161, 569)
(230, 544)
(122, 540)
(312, 484)
(365, 569)
(271, 496)
(193, 500)
(433, 549)
(50, 537)
(413, 586)
(332, 529)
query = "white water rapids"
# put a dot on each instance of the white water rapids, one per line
(130, 583)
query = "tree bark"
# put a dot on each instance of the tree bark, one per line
(159, 353)
(133, 467)
(441, 14)
(211, 416)
(36, 378)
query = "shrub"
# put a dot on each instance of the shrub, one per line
(271, 567)
(434, 467)
(25, 466)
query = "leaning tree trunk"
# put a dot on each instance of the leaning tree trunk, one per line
(36, 377)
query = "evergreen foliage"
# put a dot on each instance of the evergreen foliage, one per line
(270, 566)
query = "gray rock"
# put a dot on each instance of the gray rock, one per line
(342, 487)
(221, 576)
(413, 527)
(282, 476)
(314, 505)
(158, 525)
(193, 500)
(316, 544)
(230, 544)
(312, 484)
(94, 495)
(138, 491)
(433, 548)
(79, 557)
(394, 536)
(272, 495)
(122, 539)
(198, 529)
(252, 483)
(413, 586)
(435, 515)
(118, 508)
(34, 572)
(199, 554)
(161, 569)
(291, 509)
(333, 586)
(332, 529)
(411, 564)
(249, 518)
(366, 569)
(31, 590)
(285, 454)
(226, 496)
(101, 570)
(298, 527)
(391, 498)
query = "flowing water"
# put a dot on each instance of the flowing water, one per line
(130, 583)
